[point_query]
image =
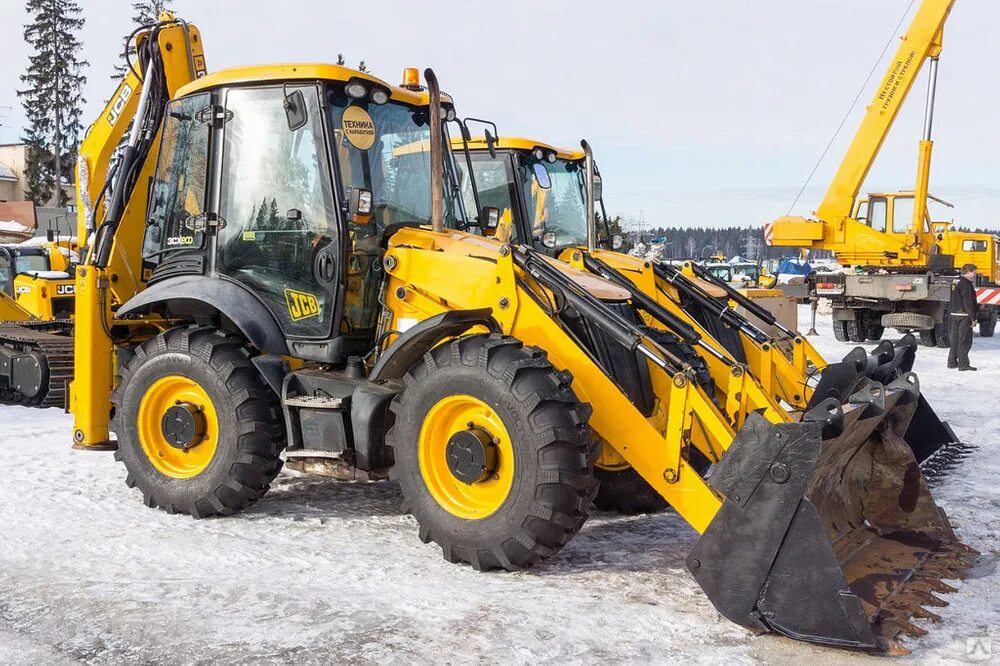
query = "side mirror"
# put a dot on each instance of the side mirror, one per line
(597, 187)
(491, 143)
(542, 176)
(295, 110)
(489, 220)
(616, 242)
(360, 205)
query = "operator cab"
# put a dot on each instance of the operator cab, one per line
(283, 180)
(17, 260)
(538, 189)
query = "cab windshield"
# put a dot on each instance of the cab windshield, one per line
(558, 209)
(30, 263)
(385, 149)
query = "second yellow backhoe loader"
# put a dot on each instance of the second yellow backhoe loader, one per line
(543, 195)
(291, 283)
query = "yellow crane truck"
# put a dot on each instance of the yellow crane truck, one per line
(289, 283)
(902, 263)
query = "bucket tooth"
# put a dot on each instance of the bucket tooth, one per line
(925, 614)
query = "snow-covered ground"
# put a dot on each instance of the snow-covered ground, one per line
(322, 571)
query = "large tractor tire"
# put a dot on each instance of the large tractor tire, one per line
(492, 452)
(624, 491)
(840, 330)
(199, 431)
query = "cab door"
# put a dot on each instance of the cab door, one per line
(277, 228)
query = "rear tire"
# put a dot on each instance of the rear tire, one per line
(243, 435)
(873, 325)
(840, 330)
(988, 326)
(928, 338)
(856, 330)
(941, 335)
(625, 491)
(534, 418)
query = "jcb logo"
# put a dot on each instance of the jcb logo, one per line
(65, 289)
(119, 105)
(301, 305)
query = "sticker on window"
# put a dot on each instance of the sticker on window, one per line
(359, 128)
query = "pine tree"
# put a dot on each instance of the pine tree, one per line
(146, 12)
(53, 97)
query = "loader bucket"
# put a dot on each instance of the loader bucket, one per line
(935, 446)
(827, 532)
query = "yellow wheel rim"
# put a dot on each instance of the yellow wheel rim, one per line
(177, 463)
(610, 460)
(472, 501)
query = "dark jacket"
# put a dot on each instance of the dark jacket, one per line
(963, 298)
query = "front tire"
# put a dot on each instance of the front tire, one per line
(199, 431)
(489, 400)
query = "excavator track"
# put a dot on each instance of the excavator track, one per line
(51, 342)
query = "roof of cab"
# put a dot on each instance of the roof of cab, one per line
(301, 71)
(520, 143)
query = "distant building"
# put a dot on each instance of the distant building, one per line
(12, 178)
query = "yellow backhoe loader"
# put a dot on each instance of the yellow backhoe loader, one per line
(290, 283)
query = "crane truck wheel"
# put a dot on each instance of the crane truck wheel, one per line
(840, 330)
(856, 330)
(492, 452)
(988, 326)
(199, 431)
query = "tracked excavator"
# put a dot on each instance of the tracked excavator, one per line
(545, 198)
(36, 307)
(288, 283)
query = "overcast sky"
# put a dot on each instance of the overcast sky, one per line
(700, 113)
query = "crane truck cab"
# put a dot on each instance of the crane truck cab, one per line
(901, 276)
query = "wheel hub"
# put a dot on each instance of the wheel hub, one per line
(183, 425)
(471, 455)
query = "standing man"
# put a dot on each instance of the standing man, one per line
(963, 310)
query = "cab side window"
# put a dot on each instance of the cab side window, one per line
(178, 194)
(494, 180)
(877, 214)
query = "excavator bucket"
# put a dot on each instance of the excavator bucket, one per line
(935, 446)
(828, 532)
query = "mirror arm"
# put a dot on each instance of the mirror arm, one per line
(472, 174)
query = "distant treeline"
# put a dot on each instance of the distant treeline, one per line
(699, 243)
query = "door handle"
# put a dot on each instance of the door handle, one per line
(326, 266)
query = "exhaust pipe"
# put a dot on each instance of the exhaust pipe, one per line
(437, 159)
